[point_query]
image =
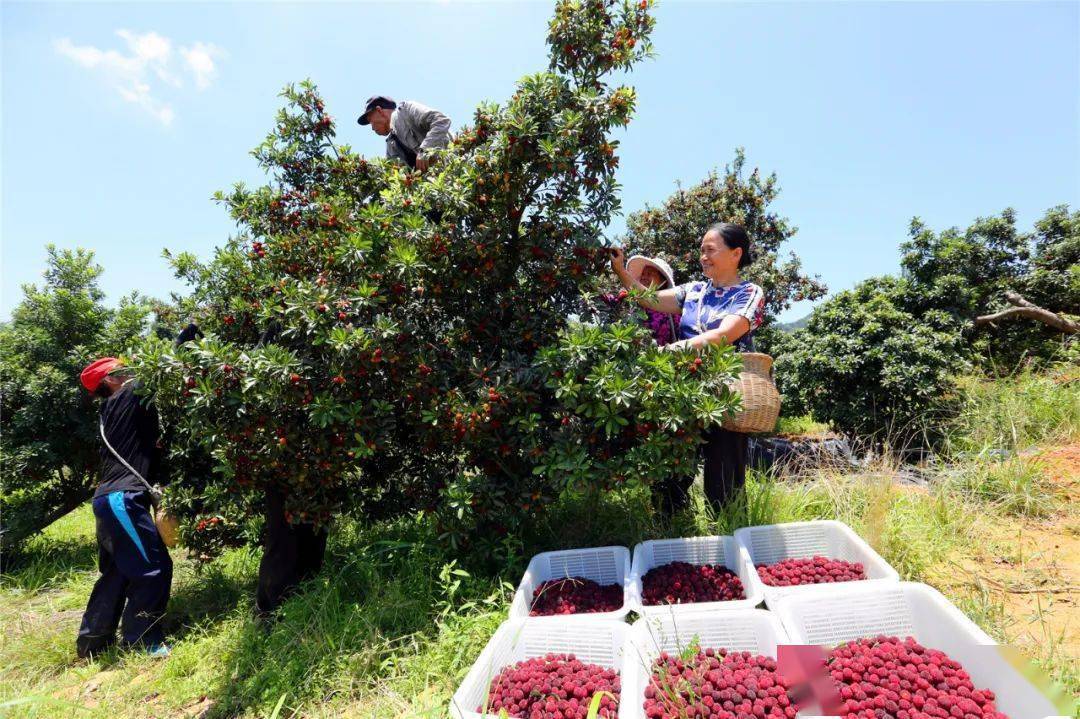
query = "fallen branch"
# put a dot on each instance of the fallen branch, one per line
(1023, 308)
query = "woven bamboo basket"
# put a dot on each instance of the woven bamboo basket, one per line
(760, 399)
(168, 527)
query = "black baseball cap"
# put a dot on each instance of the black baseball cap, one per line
(373, 102)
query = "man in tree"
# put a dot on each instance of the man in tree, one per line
(136, 570)
(411, 130)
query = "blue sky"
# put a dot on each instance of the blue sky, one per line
(120, 119)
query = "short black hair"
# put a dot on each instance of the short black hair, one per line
(734, 236)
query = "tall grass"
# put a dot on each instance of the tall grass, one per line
(995, 426)
(1015, 486)
(1014, 413)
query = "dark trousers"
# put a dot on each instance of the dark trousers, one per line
(725, 455)
(292, 553)
(136, 576)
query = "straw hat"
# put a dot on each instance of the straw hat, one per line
(637, 264)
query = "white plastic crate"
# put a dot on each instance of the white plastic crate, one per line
(917, 610)
(692, 550)
(770, 543)
(600, 642)
(604, 565)
(737, 630)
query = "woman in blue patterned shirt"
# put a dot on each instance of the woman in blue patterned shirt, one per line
(722, 308)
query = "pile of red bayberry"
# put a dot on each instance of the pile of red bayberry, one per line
(555, 686)
(575, 595)
(717, 684)
(682, 583)
(815, 570)
(887, 677)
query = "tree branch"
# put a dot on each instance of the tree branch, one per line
(1023, 308)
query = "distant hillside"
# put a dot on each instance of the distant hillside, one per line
(796, 325)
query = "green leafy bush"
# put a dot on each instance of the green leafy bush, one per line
(876, 360)
(866, 365)
(967, 273)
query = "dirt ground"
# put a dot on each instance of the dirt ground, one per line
(1031, 569)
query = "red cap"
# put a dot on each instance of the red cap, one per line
(96, 371)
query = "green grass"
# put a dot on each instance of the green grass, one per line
(393, 623)
(800, 425)
(1013, 414)
(1015, 486)
(384, 631)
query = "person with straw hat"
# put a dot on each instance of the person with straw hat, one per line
(136, 570)
(721, 309)
(656, 274)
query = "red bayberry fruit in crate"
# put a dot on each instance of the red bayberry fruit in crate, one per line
(889, 677)
(555, 686)
(682, 583)
(815, 570)
(716, 683)
(575, 595)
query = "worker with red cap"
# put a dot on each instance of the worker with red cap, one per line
(136, 570)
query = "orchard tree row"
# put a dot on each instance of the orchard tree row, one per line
(876, 360)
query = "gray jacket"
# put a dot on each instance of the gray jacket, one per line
(419, 127)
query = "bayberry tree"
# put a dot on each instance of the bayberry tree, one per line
(379, 340)
(48, 429)
(673, 231)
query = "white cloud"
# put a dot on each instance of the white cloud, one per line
(199, 59)
(147, 66)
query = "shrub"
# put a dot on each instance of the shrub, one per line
(967, 273)
(872, 360)
(867, 366)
